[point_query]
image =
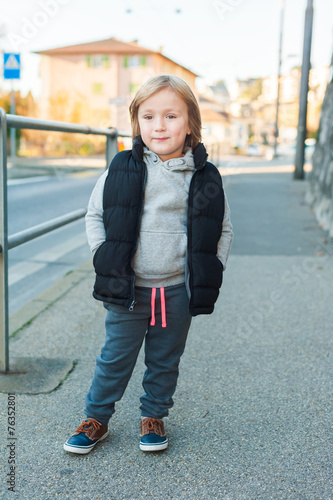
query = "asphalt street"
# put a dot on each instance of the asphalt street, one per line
(38, 264)
(253, 408)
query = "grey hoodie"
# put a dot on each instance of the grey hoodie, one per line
(161, 252)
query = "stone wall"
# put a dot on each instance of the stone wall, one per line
(320, 191)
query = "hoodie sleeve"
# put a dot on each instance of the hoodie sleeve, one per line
(94, 218)
(224, 244)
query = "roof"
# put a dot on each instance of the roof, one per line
(205, 99)
(220, 88)
(107, 46)
(209, 115)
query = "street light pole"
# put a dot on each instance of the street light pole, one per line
(303, 97)
(279, 80)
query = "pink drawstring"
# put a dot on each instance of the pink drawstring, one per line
(153, 296)
(163, 309)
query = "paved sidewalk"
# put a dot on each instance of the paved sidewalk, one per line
(253, 408)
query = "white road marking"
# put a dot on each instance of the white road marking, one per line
(41, 260)
(28, 180)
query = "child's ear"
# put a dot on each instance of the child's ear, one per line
(189, 131)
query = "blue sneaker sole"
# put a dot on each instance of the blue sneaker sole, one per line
(154, 446)
(82, 450)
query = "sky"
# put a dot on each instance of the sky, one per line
(217, 39)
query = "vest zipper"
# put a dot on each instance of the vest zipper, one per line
(137, 235)
(132, 305)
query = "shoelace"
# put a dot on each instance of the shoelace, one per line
(152, 425)
(89, 425)
(163, 308)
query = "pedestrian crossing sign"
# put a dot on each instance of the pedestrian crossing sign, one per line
(11, 66)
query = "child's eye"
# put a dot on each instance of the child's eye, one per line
(171, 116)
(148, 117)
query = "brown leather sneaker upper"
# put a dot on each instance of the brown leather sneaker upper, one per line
(91, 428)
(152, 425)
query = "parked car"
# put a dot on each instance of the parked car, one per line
(254, 149)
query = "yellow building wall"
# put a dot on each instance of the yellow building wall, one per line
(97, 96)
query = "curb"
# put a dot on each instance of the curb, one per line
(30, 311)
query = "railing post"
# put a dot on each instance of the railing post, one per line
(4, 340)
(217, 155)
(111, 148)
(212, 152)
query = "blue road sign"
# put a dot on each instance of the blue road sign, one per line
(11, 66)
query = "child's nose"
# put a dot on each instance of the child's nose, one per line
(159, 124)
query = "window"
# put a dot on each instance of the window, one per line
(134, 87)
(97, 88)
(105, 61)
(134, 61)
(98, 61)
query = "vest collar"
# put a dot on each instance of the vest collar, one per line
(199, 154)
(137, 148)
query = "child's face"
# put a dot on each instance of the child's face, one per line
(163, 121)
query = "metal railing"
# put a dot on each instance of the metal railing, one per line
(8, 242)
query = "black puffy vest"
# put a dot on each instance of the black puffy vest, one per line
(123, 205)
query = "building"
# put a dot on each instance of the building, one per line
(94, 83)
(253, 102)
(215, 124)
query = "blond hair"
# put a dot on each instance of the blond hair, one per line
(183, 90)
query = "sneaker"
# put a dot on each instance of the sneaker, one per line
(153, 437)
(86, 436)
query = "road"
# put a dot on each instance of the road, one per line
(35, 266)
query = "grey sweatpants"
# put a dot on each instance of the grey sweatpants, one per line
(125, 332)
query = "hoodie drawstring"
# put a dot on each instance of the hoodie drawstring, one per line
(153, 297)
(163, 309)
